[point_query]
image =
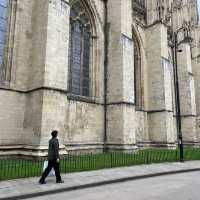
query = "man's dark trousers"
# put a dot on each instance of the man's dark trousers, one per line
(51, 164)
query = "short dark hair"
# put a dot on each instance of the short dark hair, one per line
(54, 133)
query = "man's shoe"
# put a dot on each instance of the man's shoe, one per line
(42, 182)
(61, 181)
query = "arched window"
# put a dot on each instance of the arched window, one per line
(138, 75)
(80, 50)
(7, 26)
(3, 31)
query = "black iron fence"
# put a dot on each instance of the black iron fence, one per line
(20, 168)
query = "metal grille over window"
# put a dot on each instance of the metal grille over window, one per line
(3, 30)
(80, 46)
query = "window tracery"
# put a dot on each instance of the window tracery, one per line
(3, 31)
(80, 50)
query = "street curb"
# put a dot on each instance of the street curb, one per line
(101, 183)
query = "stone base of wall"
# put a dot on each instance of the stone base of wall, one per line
(33, 152)
(99, 148)
(26, 151)
(121, 147)
(81, 148)
(148, 144)
(191, 144)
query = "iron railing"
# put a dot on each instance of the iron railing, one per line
(18, 168)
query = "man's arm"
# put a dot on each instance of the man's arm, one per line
(56, 149)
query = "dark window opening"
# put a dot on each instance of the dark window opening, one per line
(3, 31)
(80, 49)
(138, 76)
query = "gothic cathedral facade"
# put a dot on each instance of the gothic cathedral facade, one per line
(104, 73)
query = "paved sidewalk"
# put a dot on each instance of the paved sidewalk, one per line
(29, 187)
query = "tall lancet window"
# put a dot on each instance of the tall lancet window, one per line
(138, 75)
(3, 31)
(80, 50)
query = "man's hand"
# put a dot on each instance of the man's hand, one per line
(57, 160)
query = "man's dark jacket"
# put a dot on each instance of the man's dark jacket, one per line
(53, 153)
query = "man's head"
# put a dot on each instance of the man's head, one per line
(54, 133)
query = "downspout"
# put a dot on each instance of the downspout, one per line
(106, 31)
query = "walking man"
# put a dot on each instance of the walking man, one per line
(53, 159)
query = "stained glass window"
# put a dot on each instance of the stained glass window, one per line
(3, 29)
(80, 46)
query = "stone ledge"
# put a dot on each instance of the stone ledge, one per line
(27, 151)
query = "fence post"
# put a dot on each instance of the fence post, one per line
(111, 160)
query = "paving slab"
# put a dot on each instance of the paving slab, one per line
(29, 187)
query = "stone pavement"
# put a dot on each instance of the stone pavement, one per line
(29, 187)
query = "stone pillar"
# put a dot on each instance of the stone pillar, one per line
(56, 73)
(160, 112)
(195, 65)
(120, 98)
(196, 71)
(187, 94)
(45, 106)
(56, 70)
(33, 106)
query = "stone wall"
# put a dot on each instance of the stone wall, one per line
(37, 99)
(12, 106)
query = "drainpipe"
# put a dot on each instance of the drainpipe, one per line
(106, 31)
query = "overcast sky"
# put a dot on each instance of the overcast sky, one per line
(199, 5)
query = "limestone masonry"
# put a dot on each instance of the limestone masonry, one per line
(101, 72)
